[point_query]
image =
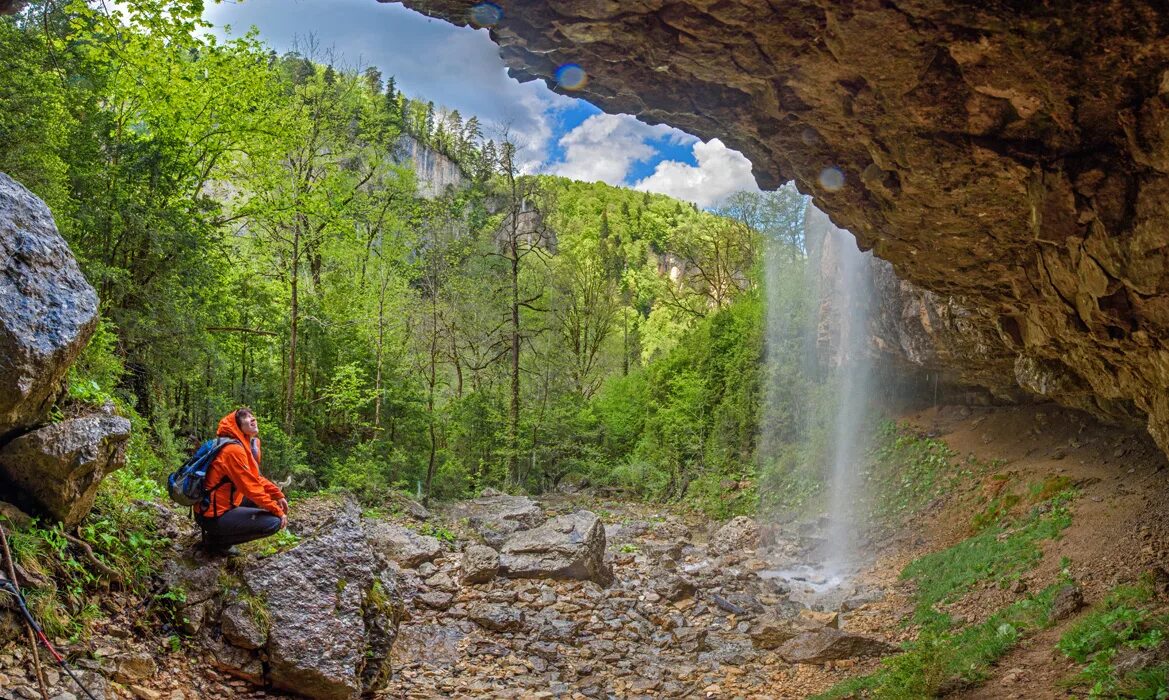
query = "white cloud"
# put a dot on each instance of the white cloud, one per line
(720, 172)
(605, 146)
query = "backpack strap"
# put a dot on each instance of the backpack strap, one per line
(222, 442)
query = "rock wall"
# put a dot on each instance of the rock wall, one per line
(1008, 155)
(434, 171)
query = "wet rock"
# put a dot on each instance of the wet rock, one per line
(60, 466)
(770, 631)
(48, 313)
(738, 534)
(495, 516)
(245, 626)
(566, 547)
(827, 644)
(401, 544)
(480, 564)
(496, 617)
(1068, 601)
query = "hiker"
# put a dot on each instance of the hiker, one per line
(242, 505)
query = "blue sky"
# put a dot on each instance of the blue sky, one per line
(459, 68)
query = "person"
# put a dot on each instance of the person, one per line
(241, 504)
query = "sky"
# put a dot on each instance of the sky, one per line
(459, 68)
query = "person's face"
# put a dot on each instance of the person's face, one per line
(247, 423)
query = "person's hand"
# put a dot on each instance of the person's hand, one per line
(283, 503)
(283, 521)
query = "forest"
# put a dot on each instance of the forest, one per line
(257, 237)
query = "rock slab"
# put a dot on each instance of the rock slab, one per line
(480, 564)
(48, 310)
(827, 644)
(61, 465)
(566, 547)
(738, 534)
(401, 544)
(496, 516)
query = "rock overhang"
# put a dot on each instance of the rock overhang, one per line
(1014, 157)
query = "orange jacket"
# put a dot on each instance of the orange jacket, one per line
(241, 467)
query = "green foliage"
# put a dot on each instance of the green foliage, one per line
(1124, 621)
(906, 471)
(280, 542)
(439, 531)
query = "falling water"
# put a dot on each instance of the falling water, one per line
(846, 302)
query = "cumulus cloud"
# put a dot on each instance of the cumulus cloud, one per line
(719, 173)
(606, 146)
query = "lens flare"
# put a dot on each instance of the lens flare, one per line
(831, 179)
(486, 14)
(571, 77)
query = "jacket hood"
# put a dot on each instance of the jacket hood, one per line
(229, 428)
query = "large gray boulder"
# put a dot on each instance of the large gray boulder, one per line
(401, 544)
(321, 596)
(566, 547)
(323, 614)
(47, 309)
(61, 465)
(496, 516)
(480, 564)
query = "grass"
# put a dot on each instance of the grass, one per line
(1123, 624)
(943, 658)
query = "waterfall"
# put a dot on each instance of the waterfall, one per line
(846, 304)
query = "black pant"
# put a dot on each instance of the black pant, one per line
(243, 523)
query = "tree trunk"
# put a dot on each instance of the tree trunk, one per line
(513, 414)
(293, 322)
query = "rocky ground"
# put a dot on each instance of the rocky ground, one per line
(587, 595)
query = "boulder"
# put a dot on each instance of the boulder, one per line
(244, 626)
(60, 466)
(770, 631)
(827, 644)
(737, 534)
(47, 309)
(496, 617)
(566, 547)
(321, 596)
(480, 564)
(1068, 601)
(496, 516)
(401, 544)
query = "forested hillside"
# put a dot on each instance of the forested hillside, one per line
(255, 239)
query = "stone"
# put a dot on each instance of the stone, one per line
(737, 534)
(815, 619)
(566, 547)
(1068, 601)
(496, 516)
(13, 518)
(496, 617)
(442, 582)
(480, 564)
(437, 600)
(132, 666)
(331, 609)
(895, 118)
(61, 465)
(243, 626)
(48, 310)
(827, 644)
(769, 632)
(674, 588)
(401, 544)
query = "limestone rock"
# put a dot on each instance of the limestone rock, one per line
(401, 544)
(737, 534)
(497, 617)
(61, 465)
(566, 547)
(479, 564)
(47, 309)
(918, 128)
(769, 632)
(496, 516)
(827, 644)
(243, 626)
(320, 596)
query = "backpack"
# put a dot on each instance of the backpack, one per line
(186, 485)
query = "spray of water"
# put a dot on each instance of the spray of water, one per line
(848, 306)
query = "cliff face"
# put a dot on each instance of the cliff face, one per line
(1013, 156)
(434, 171)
